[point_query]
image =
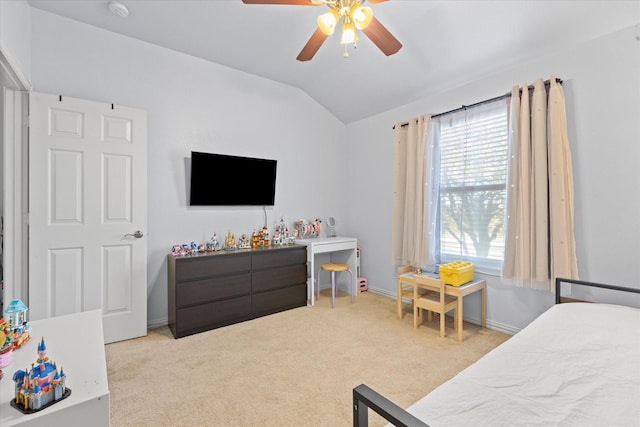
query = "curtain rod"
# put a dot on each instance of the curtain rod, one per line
(486, 101)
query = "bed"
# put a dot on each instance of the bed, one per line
(577, 364)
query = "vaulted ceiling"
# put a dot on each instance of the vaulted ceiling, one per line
(445, 43)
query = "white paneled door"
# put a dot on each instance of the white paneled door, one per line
(88, 212)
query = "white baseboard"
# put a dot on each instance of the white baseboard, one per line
(496, 326)
(157, 323)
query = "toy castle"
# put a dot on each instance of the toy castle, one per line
(41, 385)
(16, 326)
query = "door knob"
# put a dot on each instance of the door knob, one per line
(138, 234)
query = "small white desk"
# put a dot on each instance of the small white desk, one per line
(342, 250)
(75, 342)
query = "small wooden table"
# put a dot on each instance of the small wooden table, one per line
(458, 291)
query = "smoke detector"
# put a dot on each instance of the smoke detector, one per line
(118, 9)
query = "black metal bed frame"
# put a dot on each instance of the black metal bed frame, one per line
(560, 281)
(365, 398)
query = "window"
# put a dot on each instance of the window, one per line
(472, 192)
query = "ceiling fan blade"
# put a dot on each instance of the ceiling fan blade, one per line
(312, 46)
(381, 37)
(294, 2)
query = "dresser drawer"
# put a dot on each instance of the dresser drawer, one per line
(278, 258)
(213, 265)
(203, 317)
(276, 278)
(212, 289)
(279, 300)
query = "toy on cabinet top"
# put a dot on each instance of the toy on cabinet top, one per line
(277, 237)
(281, 234)
(260, 238)
(41, 386)
(179, 250)
(255, 239)
(244, 242)
(300, 228)
(16, 335)
(16, 312)
(230, 242)
(305, 229)
(264, 237)
(213, 244)
(15, 323)
(6, 350)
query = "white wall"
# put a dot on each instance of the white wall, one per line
(192, 104)
(15, 37)
(195, 105)
(602, 90)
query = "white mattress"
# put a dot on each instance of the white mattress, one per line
(578, 364)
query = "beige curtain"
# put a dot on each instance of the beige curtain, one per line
(539, 239)
(563, 246)
(407, 222)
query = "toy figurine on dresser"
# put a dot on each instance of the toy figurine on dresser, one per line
(41, 386)
(230, 242)
(264, 237)
(244, 242)
(213, 244)
(255, 238)
(281, 234)
(276, 240)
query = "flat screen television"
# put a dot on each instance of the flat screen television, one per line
(224, 180)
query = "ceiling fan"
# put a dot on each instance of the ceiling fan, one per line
(354, 17)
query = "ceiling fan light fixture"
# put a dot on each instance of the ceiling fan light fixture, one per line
(327, 21)
(348, 33)
(361, 16)
(354, 16)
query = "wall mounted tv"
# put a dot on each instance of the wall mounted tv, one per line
(223, 180)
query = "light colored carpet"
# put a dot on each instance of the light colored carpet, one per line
(294, 368)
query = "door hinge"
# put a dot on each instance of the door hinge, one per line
(26, 121)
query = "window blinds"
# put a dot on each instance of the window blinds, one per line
(473, 177)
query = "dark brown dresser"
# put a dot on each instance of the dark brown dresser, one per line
(214, 289)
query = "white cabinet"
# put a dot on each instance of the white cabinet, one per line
(75, 342)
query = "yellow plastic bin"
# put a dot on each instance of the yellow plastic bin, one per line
(456, 273)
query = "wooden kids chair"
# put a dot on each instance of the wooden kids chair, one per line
(435, 301)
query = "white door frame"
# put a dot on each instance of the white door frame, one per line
(14, 144)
